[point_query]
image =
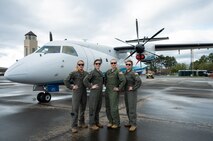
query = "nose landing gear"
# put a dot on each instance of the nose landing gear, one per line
(44, 97)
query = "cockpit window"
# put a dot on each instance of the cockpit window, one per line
(49, 49)
(69, 50)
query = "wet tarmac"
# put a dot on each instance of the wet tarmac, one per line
(169, 109)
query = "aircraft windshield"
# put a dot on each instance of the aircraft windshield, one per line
(69, 50)
(49, 49)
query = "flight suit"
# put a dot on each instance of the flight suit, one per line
(79, 97)
(113, 78)
(132, 79)
(95, 97)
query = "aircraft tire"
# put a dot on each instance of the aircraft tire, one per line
(40, 97)
(47, 97)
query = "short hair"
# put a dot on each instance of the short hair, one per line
(129, 61)
(113, 60)
(97, 60)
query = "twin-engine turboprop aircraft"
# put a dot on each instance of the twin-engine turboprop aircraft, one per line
(48, 66)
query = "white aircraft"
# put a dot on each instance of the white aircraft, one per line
(48, 66)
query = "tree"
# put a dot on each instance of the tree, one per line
(163, 62)
(167, 61)
(210, 58)
(178, 66)
(204, 63)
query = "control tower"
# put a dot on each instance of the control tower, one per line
(30, 43)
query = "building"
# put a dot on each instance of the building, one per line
(30, 43)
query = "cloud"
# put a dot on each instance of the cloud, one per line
(3, 54)
(102, 21)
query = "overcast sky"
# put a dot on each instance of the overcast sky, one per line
(100, 21)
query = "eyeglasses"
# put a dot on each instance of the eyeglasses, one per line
(80, 64)
(97, 63)
(113, 62)
(128, 64)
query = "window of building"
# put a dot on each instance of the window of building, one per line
(26, 51)
(33, 49)
(69, 50)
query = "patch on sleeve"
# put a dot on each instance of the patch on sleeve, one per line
(120, 72)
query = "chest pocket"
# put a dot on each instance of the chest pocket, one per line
(78, 78)
(112, 75)
(130, 79)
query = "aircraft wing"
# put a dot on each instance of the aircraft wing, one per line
(167, 47)
(124, 49)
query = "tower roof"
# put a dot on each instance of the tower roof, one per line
(30, 33)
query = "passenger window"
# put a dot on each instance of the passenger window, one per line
(49, 49)
(69, 50)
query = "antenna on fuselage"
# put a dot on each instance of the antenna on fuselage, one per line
(51, 37)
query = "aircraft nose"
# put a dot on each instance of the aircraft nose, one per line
(16, 73)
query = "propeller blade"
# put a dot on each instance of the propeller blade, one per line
(124, 42)
(131, 54)
(137, 31)
(154, 35)
(137, 62)
(51, 37)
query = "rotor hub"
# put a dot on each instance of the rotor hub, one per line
(139, 48)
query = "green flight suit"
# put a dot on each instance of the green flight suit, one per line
(133, 80)
(79, 96)
(95, 97)
(113, 78)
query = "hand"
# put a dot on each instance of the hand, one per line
(94, 86)
(115, 89)
(75, 87)
(130, 88)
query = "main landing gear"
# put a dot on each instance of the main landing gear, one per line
(44, 97)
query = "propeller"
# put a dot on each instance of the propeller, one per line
(51, 37)
(139, 48)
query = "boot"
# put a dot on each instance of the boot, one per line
(132, 128)
(83, 125)
(109, 125)
(74, 130)
(115, 126)
(94, 127)
(99, 125)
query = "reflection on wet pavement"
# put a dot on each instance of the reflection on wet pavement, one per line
(169, 108)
